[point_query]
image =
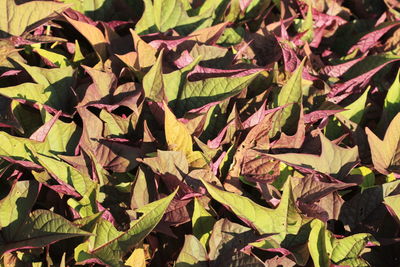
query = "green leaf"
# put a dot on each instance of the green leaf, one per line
(162, 15)
(16, 147)
(114, 125)
(41, 228)
(168, 14)
(52, 87)
(218, 8)
(78, 56)
(87, 205)
(255, 8)
(202, 223)
(391, 106)
(12, 215)
(334, 160)
(354, 112)
(344, 252)
(283, 220)
(234, 11)
(192, 254)
(291, 93)
(347, 251)
(307, 25)
(57, 59)
(110, 245)
(317, 244)
(63, 137)
(368, 177)
(66, 173)
(95, 9)
(231, 36)
(17, 19)
(147, 23)
(199, 93)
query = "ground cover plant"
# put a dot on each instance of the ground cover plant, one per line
(199, 133)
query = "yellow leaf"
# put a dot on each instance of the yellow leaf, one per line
(146, 53)
(196, 159)
(93, 35)
(177, 135)
(137, 258)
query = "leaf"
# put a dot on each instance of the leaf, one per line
(391, 105)
(385, 155)
(95, 9)
(116, 156)
(143, 189)
(65, 173)
(209, 35)
(347, 251)
(168, 14)
(371, 39)
(8, 51)
(281, 221)
(172, 162)
(17, 19)
(114, 125)
(368, 177)
(146, 54)
(192, 253)
(226, 242)
(359, 75)
(317, 244)
(310, 189)
(202, 223)
(16, 147)
(52, 87)
(87, 205)
(109, 245)
(93, 35)
(290, 93)
(176, 142)
(354, 112)
(41, 133)
(13, 216)
(41, 228)
(62, 137)
(103, 86)
(199, 93)
(334, 160)
(163, 15)
(392, 202)
(153, 84)
(307, 26)
(137, 258)
(58, 60)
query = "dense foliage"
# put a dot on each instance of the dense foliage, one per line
(199, 133)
